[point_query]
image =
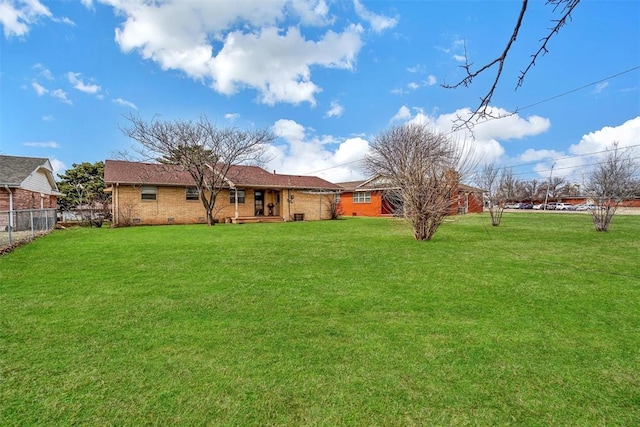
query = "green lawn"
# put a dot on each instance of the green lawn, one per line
(349, 322)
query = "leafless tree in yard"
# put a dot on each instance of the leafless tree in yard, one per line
(491, 180)
(483, 111)
(609, 184)
(202, 149)
(425, 168)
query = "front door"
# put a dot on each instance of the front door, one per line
(258, 197)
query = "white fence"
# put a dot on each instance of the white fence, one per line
(16, 226)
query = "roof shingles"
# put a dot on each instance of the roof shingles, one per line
(123, 172)
(14, 169)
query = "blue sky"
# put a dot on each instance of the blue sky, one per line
(325, 75)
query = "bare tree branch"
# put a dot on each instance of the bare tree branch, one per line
(569, 5)
(483, 110)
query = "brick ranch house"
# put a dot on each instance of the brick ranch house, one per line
(149, 193)
(367, 198)
(26, 183)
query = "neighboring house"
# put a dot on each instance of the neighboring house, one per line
(368, 198)
(26, 183)
(150, 193)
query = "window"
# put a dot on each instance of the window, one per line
(149, 192)
(192, 193)
(336, 198)
(232, 196)
(362, 197)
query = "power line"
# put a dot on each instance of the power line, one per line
(515, 112)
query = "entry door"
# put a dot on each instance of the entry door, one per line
(258, 197)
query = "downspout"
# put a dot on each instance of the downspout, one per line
(10, 206)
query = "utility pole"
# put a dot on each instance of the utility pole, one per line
(546, 198)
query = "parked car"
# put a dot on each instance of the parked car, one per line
(526, 205)
(565, 207)
(512, 205)
(585, 206)
(538, 206)
(550, 206)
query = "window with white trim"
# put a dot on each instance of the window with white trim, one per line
(192, 193)
(232, 196)
(362, 197)
(148, 192)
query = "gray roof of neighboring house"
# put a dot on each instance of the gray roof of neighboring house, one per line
(14, 170)
(122, 172)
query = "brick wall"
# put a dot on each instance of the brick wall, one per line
(171, 206)
(25, 199)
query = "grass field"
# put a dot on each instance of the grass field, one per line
(349, 322)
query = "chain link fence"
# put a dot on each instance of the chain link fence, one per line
(17, 226)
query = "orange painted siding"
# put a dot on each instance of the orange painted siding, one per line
(373, 208)
(464, 203)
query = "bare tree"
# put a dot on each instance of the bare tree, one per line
(565, 8)
(532, 190)
(609, 184)
(200, 148)
(508, 186)
(491, 180)
(425, 167)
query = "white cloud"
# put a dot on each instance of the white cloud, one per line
(234, 45)
(431, 80)
(48, 118)
(125, 103)
(74, 79)
(44, 72)
(531, 155)
(56, 93)
(413, 85)
(58, 166)
(600, 87)
(40, 90)
(47, 144)
(17, 16)
(403, 114)
(61, 95)
(232, 116)
(592, 146)
(301, 153)
(336, 110)
(626, 135)
(398, 91)
(378, 23)
(416, 69)
(459, 58)
(351, 150)
(486, 138)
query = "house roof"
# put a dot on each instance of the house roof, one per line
(14, 170)
(350, 185)
(376, 183)
(122, 172)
